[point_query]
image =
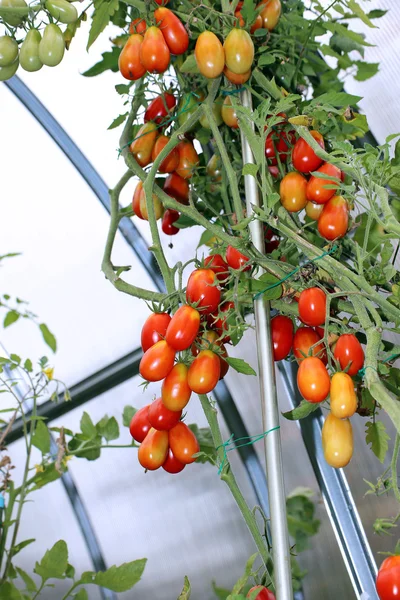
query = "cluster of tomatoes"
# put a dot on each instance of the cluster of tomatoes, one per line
(35, 50)
(313, 380)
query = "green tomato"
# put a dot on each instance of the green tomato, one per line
(29, 53)
(62, 11)
(216, 109)
(12, 19)
(9, 71)
(187, 105)
(8, 50)
(52, 46)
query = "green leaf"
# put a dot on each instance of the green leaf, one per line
(18, 547)
(70, 572)
(48, 336)
(365, 70)
(190, 65)
(54, 563)
(109, 62)
(118, 121)
(221, 593)
(28, 365)
(15, 359)
(184, 222)
(82, 595)
(28, 581)
(103, 10)
(241, 582)
(301, 411)
(266, 59)
(378, 438)
(240, 365)
(41, 438)
(123, 88)
(127, 415)
(185, 593)
(111, 430)
(376, 13)
(357, 10)
(88, 448)
(42, 478)
(337, 99)
(8, 591)
(250, 169)
(268, 286)
(87, 426)
(11, 317)
(301, 522)
(205, 237)
(117, 579)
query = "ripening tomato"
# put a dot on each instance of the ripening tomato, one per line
(316, 190)
(204, 372)
(154, 52)
(303, 156)
(137, 26)
(236, 260)
(337, 441)
(183, 443)
(282, 336)
(157, 361)
(140, 424)
(216, 263)
(52, 46)
(271, 13)
(239, 51)
(142, 145)
(173, 30)
(388, 580)
(171, 161)
(177, 187)
(277, 143)
(235, 78)
(154, 329)
(216, 112)
(348, 351)
(157, 206)
(202, 289)
(313, 211)
(258, 23)
(159, 108)
(188, 159)
(228, 113)
(167, 224)
(312, 306)
(213, 168)
(210, 56)
(161, 417)
(136, 200)
(305, 343)
(292, 192)
(343, 396)
(313, 379)
(129, 60)
(273, 169)
(175, 390)
(263, 593)
(153, 450)
(172, 464)
(334, 219)
(183, 328)
(209, 340)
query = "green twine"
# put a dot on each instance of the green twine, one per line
(232, 444)
(232, 92)
(296, 270)
(361, 372)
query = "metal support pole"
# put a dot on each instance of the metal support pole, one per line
(269, 403)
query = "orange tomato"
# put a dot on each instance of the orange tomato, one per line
(313, 211)
(292, 191)
(343, 396)
(183, 443)
(313, 380)
(188, 159)
(171, 161)
(204, 372)
(228, 114)
(271, 13)
(173, 30)
(235, 78)
(177, 187)
(136, 200)
(239, 51)
(154, 52)
(210, 56)
(316, 190)
(142, 145)
(129, 60)
(157, 361)
(175, 390)
(153, 450)
(337, 441)
(137, 26)
(334, 219)
(157, 206)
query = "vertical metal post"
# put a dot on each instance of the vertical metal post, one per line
(269, 404)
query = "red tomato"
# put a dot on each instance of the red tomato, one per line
(313, 380)
(175, 391)
(334, 219)
(388, 580)
(137, 26)
(303, 156)
(263, 594)
(208, 341)
(210, 56)
(168, 220)
(316, 192)
(304, 339)
(177, 187)
(312, 306)
(271, 13)
(153, 450)
(140, 424)
(235, 78)
(203, 291)
(142, 145)
(172, 464)
(216, 263)
(348, 349)
(154, 329)
(173, 30)
(282, 336)
(239, 51)
(136, 200)
(171, 161)
(183, 328)
(161, 418)
(129, 60)
(292, 191)
(278, 143)
(228, 113)
(157, 361)
(258, 23)
(159, 108)
(223, 364)
(154, 52)
(237, 260)
(313, 211)
(188, 159)
(273, 169)
(161, 2)
(183, 443)
(204, 372)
